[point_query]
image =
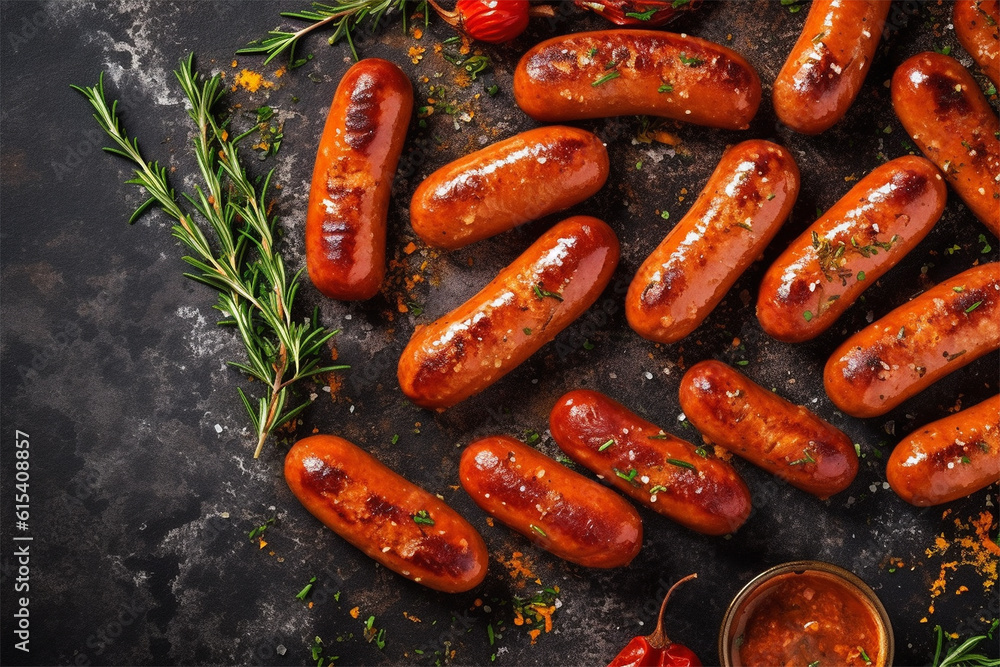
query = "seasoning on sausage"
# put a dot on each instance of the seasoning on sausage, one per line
(525, 306)
(943, 109)
(852, 245)
(977, 26)
(395, 522)
(829, 62)
(950, 458)
(351, 182)
(627, 72)
(784, 439)
(741, 208)
(523, 178)
(560, 510)
(671, 476)
(934, 334)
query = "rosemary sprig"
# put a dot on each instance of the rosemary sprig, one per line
(962, 655)
(345, 17)
(241, 263)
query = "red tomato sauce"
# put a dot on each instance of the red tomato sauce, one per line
(806, 619)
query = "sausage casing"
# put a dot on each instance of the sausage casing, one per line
(862, 236)
(950, 458)
(560, 510)
(932, 335)
(628, 72)
(538, 295)
(398, 524)
(349, 197)
(671, 476)
(741, 208)
(514, 181)
(784, 439)
(829, 62)
(943, 109)
(977, 26)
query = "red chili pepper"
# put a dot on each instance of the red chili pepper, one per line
(657, 649)
(492, 21)
(647, 13)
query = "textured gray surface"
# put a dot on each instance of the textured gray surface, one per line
(143, 487)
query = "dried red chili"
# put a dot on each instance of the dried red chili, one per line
(492, 21)
(657, 649)
(647, 13)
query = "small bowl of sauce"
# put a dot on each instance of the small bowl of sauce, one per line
(809, 614)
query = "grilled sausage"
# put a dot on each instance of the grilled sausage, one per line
(950, 458)
(525, 306)
(560, 510)
(862, 236)
(942, 108)
(671, 476)
(784, 439)
(349, 197)
(523, 178)
(739, 211)
(625, 72)
(398, 524)
(934, 334)
(977, 26)
(829, 62)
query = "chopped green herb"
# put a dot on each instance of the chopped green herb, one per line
(992, 90)
(630, 477)
(395, 438)
(958, 289)
(944, 50)
(965, 459)
(679, 3)
(665, 215)
(742, 362)
(489, 633)
(857, 449)
(587, 345)
(952, 250)
(861, 275)
(538, 530)
(493, 90)
(807, 316)
(818, 37)
(638, 165)
(973, 307)
(806, 458)
(864, 656)
(702, 452)
(681, 464)
(642, 16)
(305, 591)
(531, 437)
(659, 436)
(986, 244)
(983, 445)
(542, 293)
(259, 530)
(609, 443)
(423, 517)
(665, 88)
(887, 129)
(527, 331)
(690, 62)
(607, 77)
(656, 489)
(814, 663)
(770, 197)
(317, 649)
(415, 308)
(592, 52)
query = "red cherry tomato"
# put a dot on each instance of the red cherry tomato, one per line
(493, 21)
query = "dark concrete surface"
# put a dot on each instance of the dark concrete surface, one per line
(142, 485)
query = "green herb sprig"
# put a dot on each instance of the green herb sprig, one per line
(962, 655)
(345, 16)
(241, 262)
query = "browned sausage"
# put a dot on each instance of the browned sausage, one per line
(950, 458)
(669, 475)
(942, 108)
(560, 510)
(784, 439)
(829, 62)
(976, 26)
(403, 527)
(524, 307)
(852, 245)
(739, 211)
(349, 197)
(923, 340)
(523, 178)
(627, 72)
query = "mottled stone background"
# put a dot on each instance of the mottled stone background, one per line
(143, 489)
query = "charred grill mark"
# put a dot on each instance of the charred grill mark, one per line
(797, 293)
(437, 555)
(664, 292)
(381, 510)
(966, 299)
(819, 77)
(864, 365)
(564, 150)
(322, 478)
(948, 95)
(361, 113)
(908, 186)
